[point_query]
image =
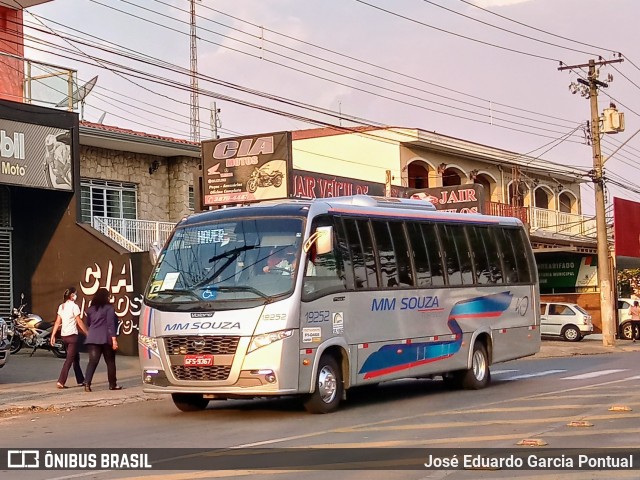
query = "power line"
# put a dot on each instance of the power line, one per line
(364, 62)
(326, 111)
(471, 4)
(410, 96)
(506, 29)
(501, 47)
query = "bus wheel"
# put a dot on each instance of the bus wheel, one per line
(189, 402)
(478, 375)
(328, 388)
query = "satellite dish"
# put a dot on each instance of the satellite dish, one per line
(79, 95)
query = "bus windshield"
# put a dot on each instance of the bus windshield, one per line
(230, 264)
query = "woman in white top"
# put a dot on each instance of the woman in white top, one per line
(68, 321)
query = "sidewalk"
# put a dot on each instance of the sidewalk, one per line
(590, 345)
(28, 384)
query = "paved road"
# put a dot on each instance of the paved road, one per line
(529, 399)
(27, 383)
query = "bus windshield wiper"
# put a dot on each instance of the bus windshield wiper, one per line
(231, 257)
(245, 288)
(177, 291)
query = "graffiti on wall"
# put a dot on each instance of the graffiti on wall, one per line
(118, 279)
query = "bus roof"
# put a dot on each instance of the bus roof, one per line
(355, 204)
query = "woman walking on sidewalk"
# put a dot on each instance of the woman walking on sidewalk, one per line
(68, 320)
(634, 311)
(101, 339)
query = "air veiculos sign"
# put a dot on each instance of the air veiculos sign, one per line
(310, 185)
(246, 169)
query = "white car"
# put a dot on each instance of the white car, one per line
(624, 318)
(567, 320)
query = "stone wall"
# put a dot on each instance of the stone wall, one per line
(162, 195)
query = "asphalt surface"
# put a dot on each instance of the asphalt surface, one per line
(28, 383)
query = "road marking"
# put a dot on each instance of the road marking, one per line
(535, 374)
(595, 374)
(502, 372)
(489, 423)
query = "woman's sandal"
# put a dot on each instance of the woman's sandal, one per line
(60, 386)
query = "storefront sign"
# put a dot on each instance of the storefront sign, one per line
(310, 185)
(456, 199)
(35, 156)
(246, 169)
(567, 271)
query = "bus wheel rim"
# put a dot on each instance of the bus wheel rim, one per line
(327, 385)
(479, 365)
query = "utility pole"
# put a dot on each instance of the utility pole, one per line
(215, 120)
(607, 295)
(195, 107)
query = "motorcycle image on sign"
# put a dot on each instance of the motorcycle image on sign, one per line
(262, 177)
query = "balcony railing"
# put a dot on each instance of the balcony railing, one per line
(564, 223)
(134, 235)
(549, 220)
(39, 83)
(505, 210)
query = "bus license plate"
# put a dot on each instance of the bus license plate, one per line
(198, 360)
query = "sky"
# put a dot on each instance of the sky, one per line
(487, 75)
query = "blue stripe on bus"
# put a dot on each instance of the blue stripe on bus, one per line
(396, 357)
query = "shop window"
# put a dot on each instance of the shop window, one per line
(100, 198)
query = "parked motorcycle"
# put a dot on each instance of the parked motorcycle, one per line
(31, 331)
(262, 178)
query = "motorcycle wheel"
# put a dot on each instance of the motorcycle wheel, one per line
(252, 185)
(59, 349)
(277, 181)
(15, 344)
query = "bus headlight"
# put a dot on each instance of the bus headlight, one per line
(265, 339)
(149, 342)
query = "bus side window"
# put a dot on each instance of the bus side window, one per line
(386, 255)
(486, 255)
(420, 257)
(451, 255)
(430, 235)
(357, 255)
(324, 273)
(399, 240)
(342, 252)
(493, 254)
(464, 253)
(505, 242)
(370, 264)
(520, 241)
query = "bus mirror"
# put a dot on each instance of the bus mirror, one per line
(154, 252)
(324, 242)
